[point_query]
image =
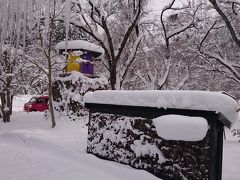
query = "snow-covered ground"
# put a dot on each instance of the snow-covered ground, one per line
(31, 150)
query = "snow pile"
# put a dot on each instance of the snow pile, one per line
(193, 100)
(185, 128)
(31, 150)
(19, 101)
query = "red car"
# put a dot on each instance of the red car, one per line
(36, 104)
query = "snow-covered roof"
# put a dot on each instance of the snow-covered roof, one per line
(192, 100)
(80, 44)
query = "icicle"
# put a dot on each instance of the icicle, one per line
(11, 21)
(38, 13)
(1, 5)
(47, 21)
(30, 14)
(67, 16)
(47, 14)
(4, 22)
(1, 23)
(25, 24)
(18, 24)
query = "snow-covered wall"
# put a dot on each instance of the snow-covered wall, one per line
(135, 141)
(193, 100)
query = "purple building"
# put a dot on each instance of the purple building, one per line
(81, 55)
(87, 67)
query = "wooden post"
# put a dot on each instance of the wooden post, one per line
(216, 149)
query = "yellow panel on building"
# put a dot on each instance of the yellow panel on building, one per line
(72, 65)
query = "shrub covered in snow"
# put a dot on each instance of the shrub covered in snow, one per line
(69, 90)
(172, 134)
(236, 133)
(134, 141)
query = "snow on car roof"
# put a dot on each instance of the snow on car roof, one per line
(192, 100)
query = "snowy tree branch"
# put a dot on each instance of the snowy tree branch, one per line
(206, 35)
(229, 66)
(131, 59)
(230, 27)
(130, 29)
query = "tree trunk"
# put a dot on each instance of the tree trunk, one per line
(51, 108)
(50, 92)
(113, 77)
(11, 103)
(49, 58)
(5, 107)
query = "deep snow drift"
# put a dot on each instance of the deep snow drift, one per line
(31, 150)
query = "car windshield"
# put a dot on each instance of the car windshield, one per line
(33, 99)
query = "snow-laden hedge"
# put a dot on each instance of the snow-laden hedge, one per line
(68, 92)
(135, 141)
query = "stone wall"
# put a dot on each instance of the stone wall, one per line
(134, 141)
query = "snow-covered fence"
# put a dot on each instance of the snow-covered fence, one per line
(172, 134)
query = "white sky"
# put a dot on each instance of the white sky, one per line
(157, 5)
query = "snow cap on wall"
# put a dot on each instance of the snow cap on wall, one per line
(183, 128)
(192, 100)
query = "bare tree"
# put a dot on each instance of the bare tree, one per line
(11, 18)
(6, 82)
(219, 45)
(169, 33)
(166, 48)
(114, 25)
(229, 16)
(41, 51)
